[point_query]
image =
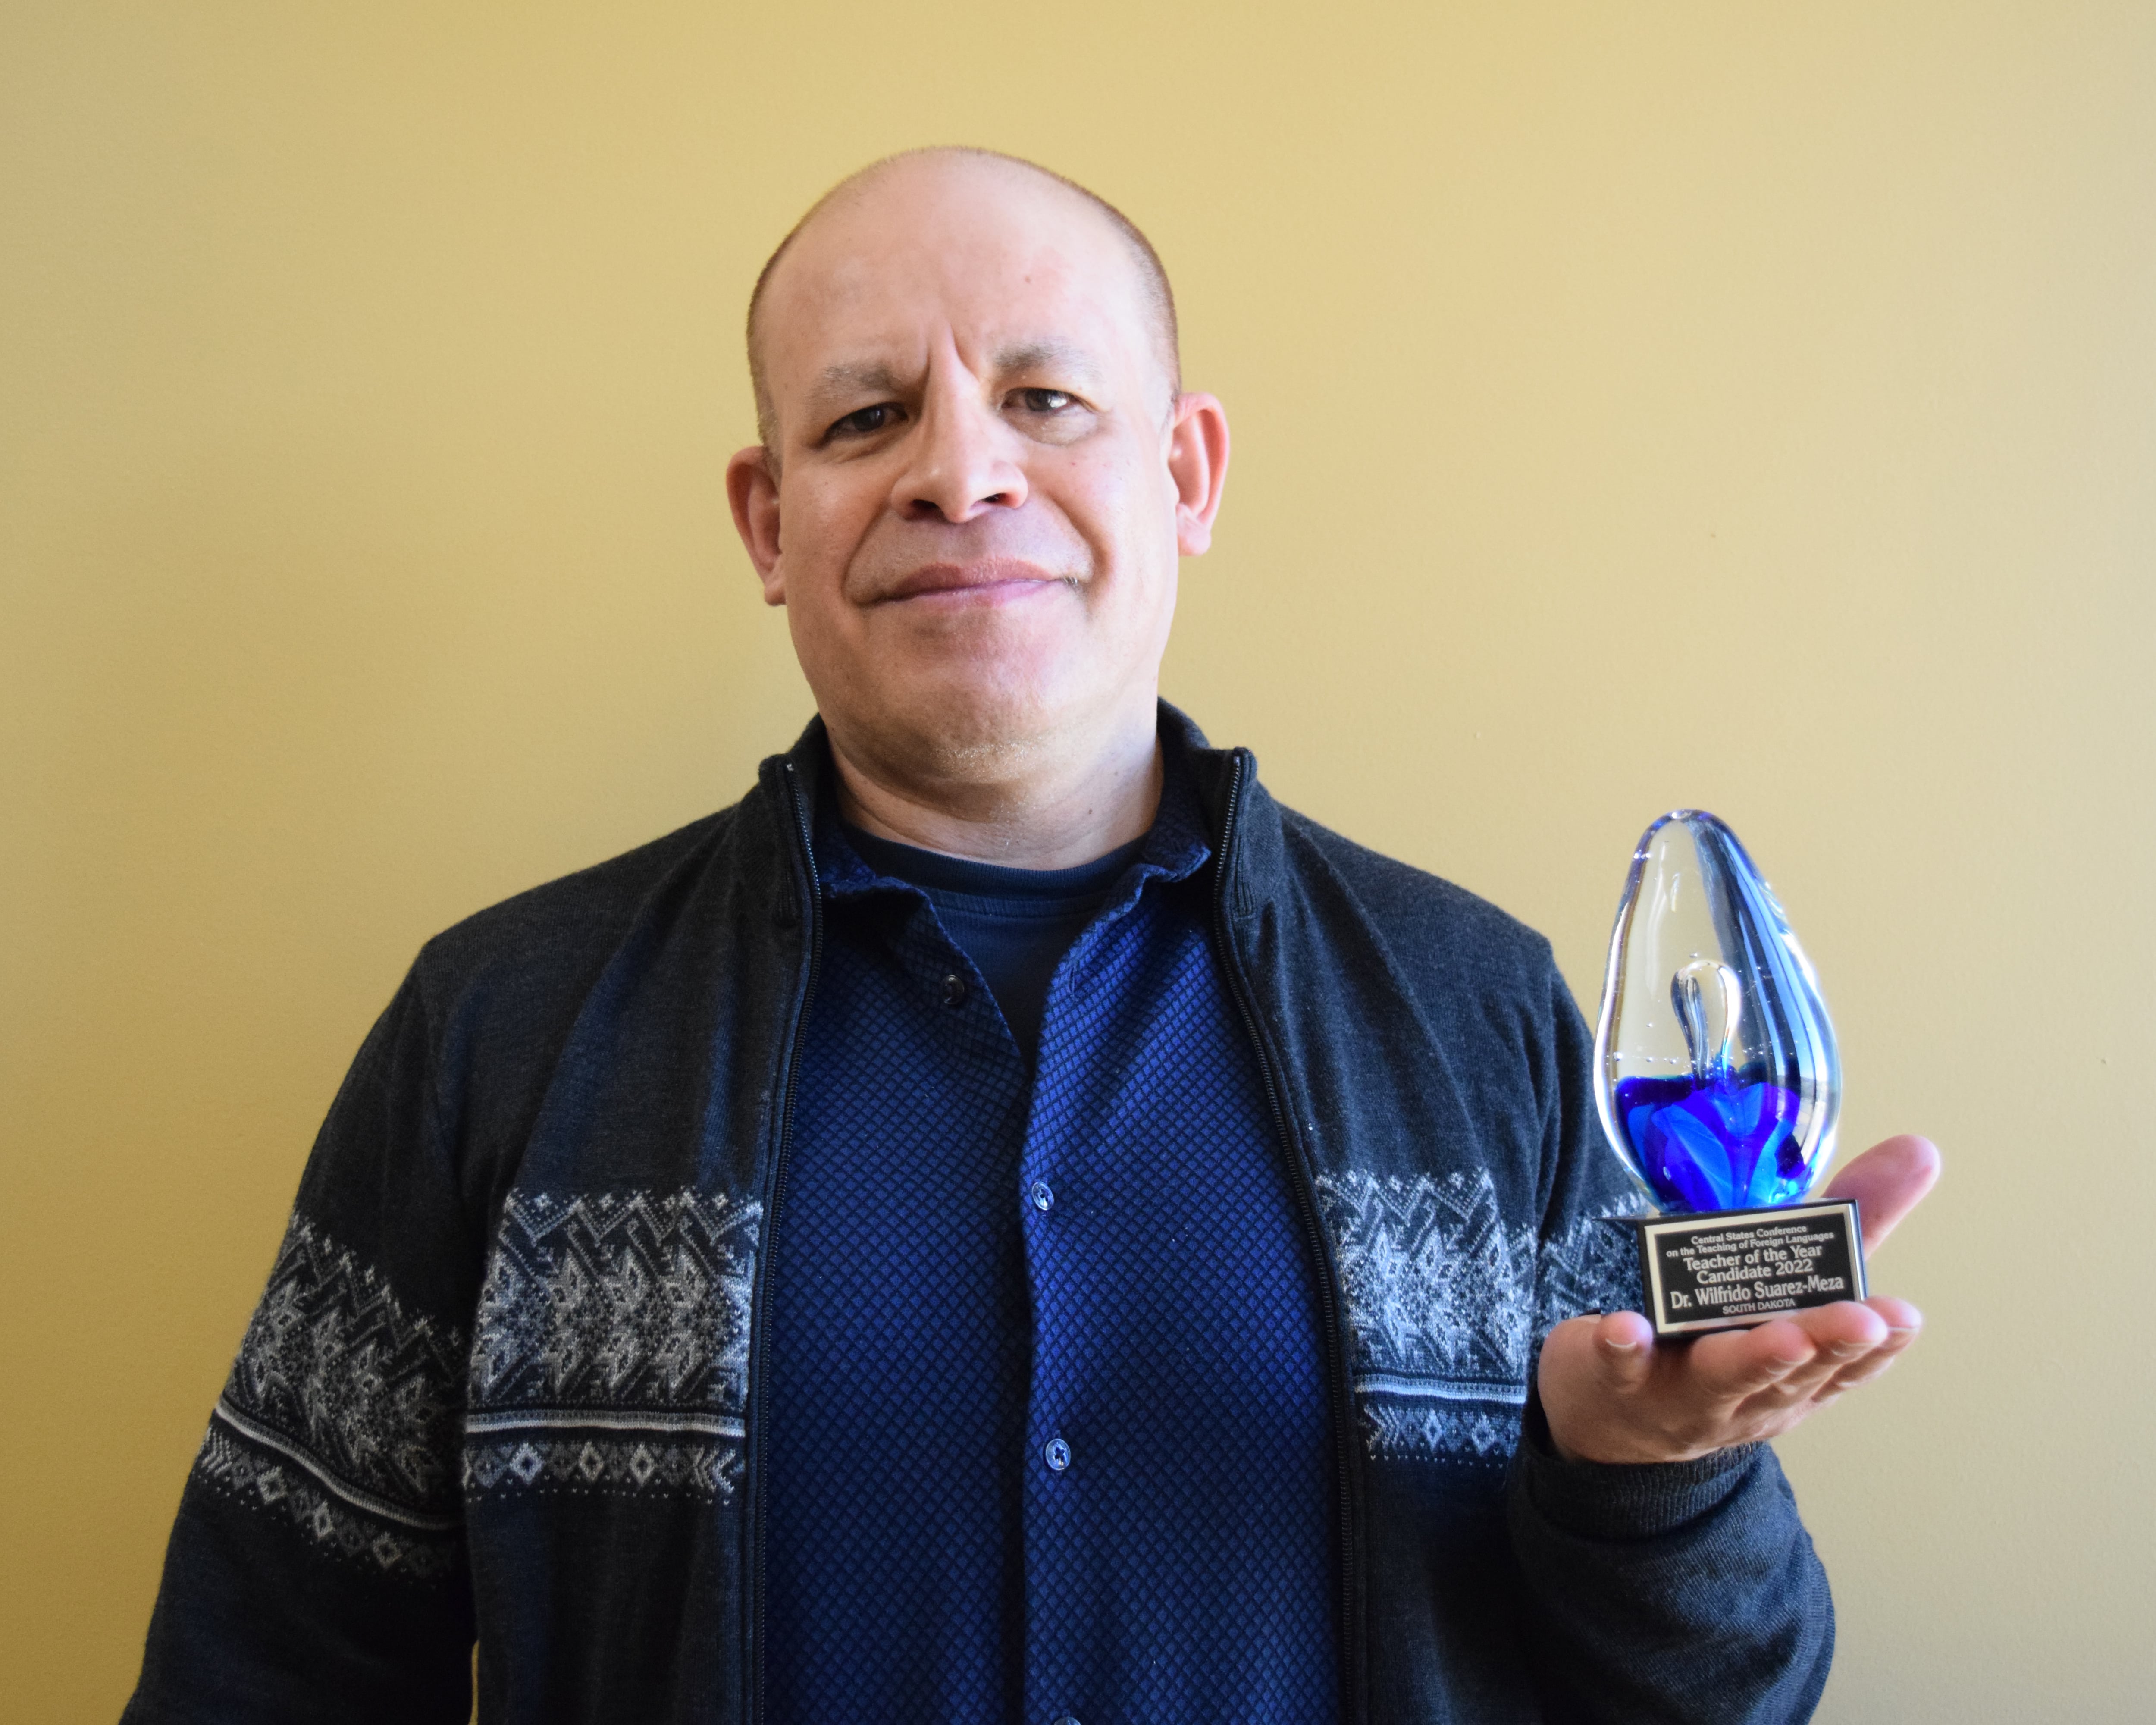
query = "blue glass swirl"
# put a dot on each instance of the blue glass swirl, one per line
(1716, 1071)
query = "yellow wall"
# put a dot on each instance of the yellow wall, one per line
(1717, 401)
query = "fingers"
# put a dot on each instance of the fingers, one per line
(1624, 1350)
(1734, 1364)
(1611, 1393)
(1897, 1315)
(1904, 1323)
(1575, 1390)
(1596, 1382)
(1887, 1181)
(1791, 1358)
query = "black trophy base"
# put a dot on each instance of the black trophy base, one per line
(1728, 1270)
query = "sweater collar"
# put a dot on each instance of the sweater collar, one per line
(1211, 804)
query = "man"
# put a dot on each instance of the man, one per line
(1007, 1221)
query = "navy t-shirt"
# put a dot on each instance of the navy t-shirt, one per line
(1014, 924)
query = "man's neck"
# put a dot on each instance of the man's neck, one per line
(1061, 812)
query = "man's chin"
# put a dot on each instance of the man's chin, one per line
(984, 738)
(966, 732)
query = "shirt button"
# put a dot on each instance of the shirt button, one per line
(1043, 1196)
(954, 989)
(1057, 1455)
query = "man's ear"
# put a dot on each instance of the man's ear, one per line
(753, 489)
(1198, 463)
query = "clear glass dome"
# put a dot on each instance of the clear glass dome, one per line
(1715, 1065)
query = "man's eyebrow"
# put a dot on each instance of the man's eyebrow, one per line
(871, 376)
(1034, 355)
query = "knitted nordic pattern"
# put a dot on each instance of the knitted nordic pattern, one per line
(341, 1413)
(1447, 1301)
(611, 1353)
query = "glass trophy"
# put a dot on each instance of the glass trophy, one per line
(1718, 1083)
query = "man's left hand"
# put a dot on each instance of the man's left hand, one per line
(1612, 1393)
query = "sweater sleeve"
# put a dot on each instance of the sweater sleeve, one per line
(1687, 1592)
(316, 1569)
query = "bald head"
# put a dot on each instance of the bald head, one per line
(998, 181)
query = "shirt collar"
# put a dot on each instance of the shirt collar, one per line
(1175, 849)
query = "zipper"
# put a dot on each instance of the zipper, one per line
(813, 922)
(1328, 1295)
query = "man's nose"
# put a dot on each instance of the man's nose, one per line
(963, 462)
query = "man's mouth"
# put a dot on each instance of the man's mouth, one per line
(994, 581)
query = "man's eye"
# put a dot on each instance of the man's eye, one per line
(1045, 401)
(865, 422)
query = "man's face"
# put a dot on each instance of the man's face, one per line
(982, 484)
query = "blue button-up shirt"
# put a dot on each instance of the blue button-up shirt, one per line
(1047, 1424)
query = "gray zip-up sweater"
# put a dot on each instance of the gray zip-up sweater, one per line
(505, 1379)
